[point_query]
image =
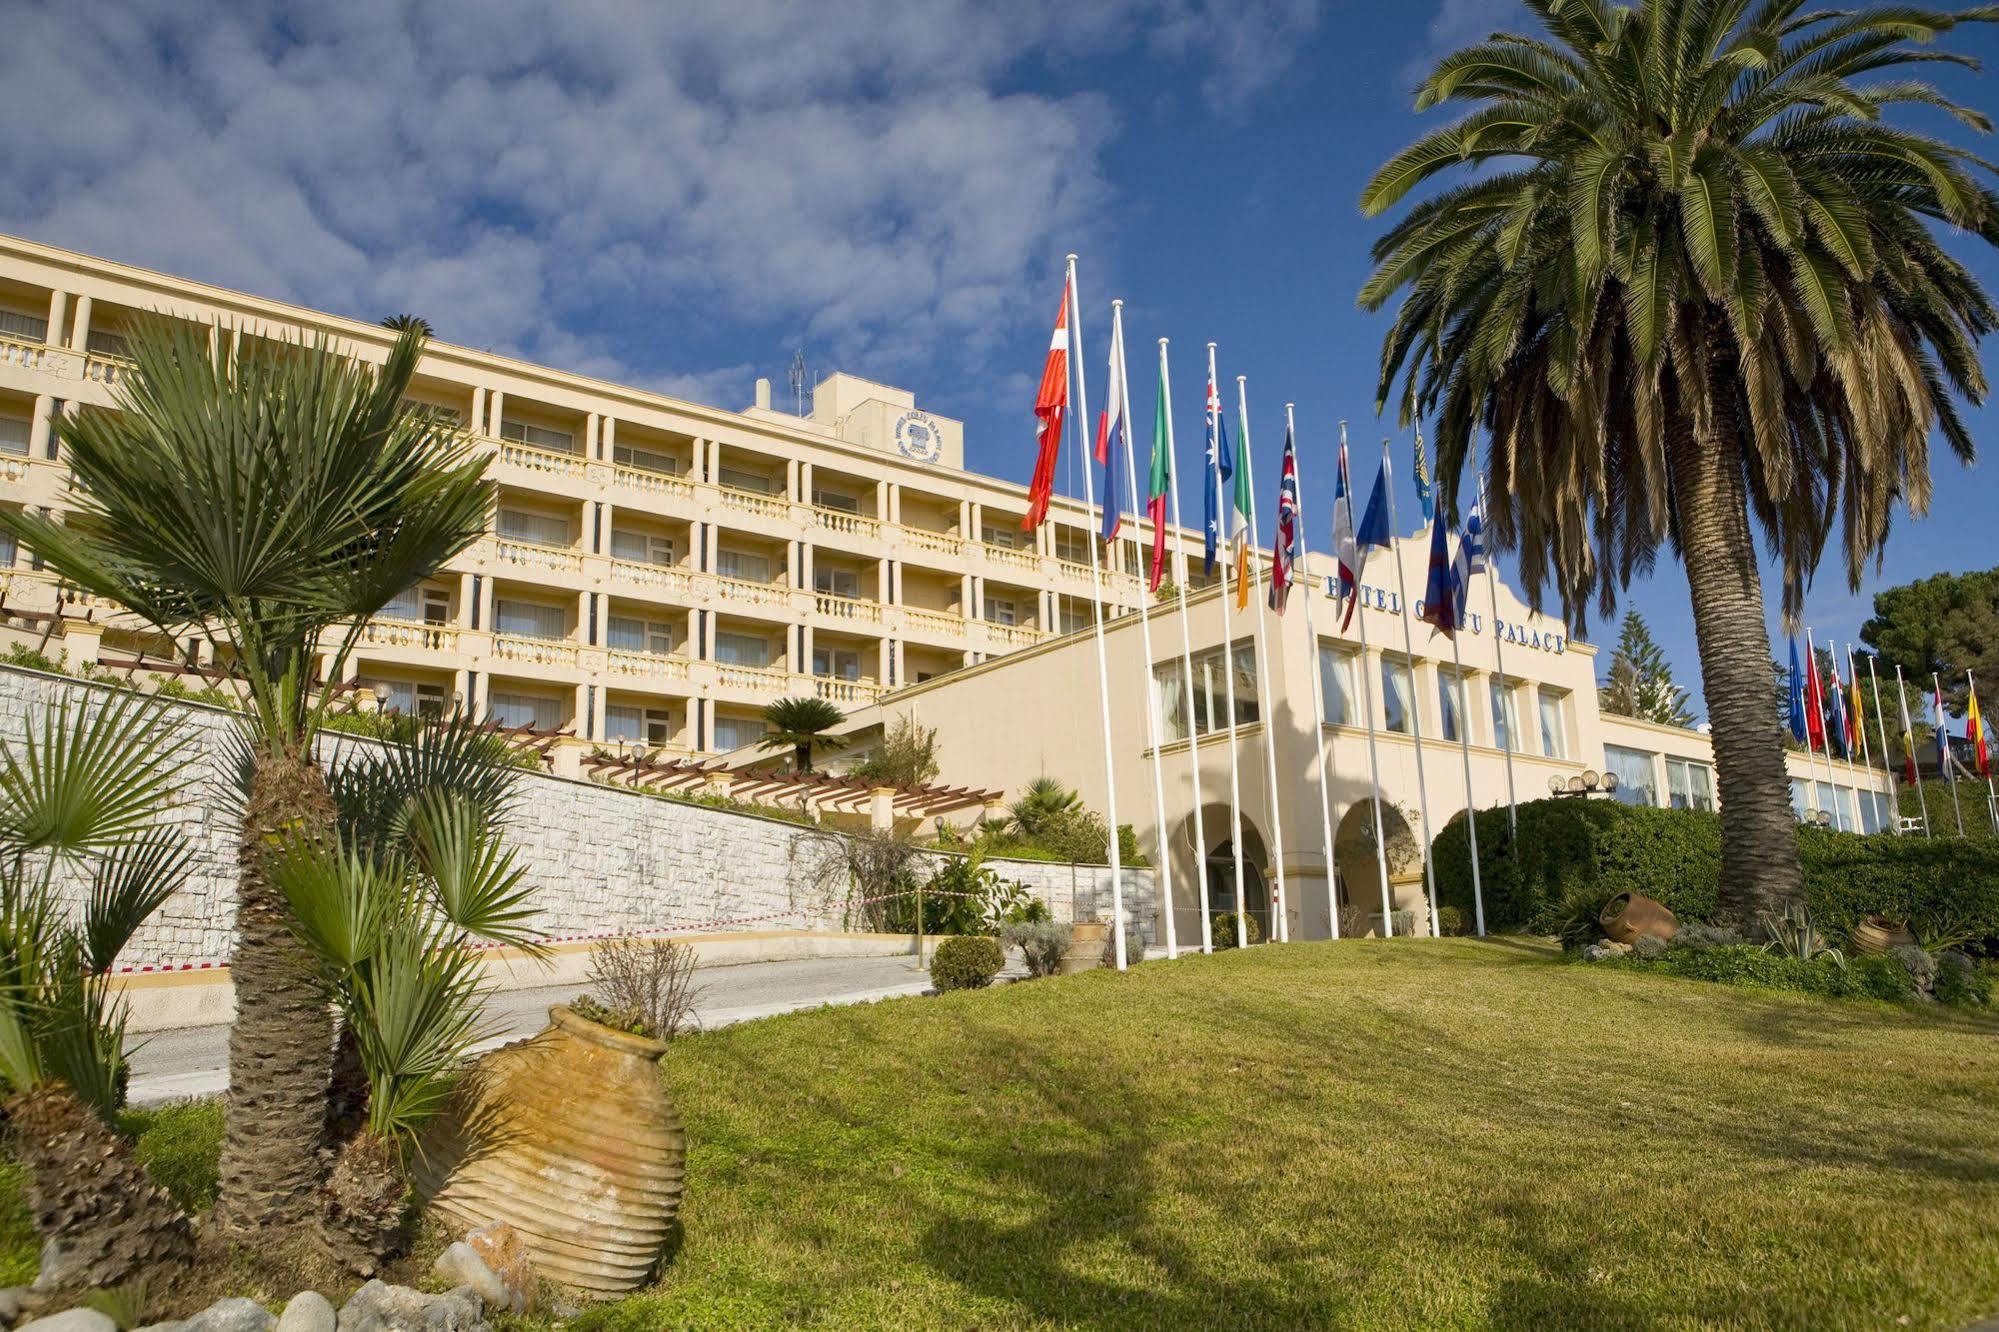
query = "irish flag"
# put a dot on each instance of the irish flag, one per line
(1158, 483)
(1241, 507)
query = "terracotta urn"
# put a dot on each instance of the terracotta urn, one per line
(1878, 934)
(1086, 947)
(1628, 915)
(569, 1138)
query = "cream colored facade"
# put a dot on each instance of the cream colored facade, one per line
(1005, 722)
(657, 570)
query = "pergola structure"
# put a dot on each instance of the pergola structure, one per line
(879, 802)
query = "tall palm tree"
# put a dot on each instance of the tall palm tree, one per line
(1693, 287)
(269, 500)
(798, 724)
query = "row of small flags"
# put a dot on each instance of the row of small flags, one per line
(1831, 717)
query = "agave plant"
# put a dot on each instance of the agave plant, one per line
(81, 804)
(389, 909)
(1793, 933)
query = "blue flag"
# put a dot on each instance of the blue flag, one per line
(1374, 522)
(1440, 594)
(1219, 465)
(1797, 691)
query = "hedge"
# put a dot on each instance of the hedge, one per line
(1573, 853)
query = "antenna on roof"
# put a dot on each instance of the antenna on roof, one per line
(798, 379)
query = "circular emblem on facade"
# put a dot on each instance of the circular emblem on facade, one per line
(917, 437)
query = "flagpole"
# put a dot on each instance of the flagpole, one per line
(1186, 674)
(1464, 746)
(1943, 751)
(1228, 657)
(1318, 682)
(1097, 604)
(1153, 731)
(1280, 921)
(1818, 705)
(1373, 757)
(1415, 695)
(1881, 728)
(1991, 801)
(1909, 739)
(1499, 662)
(1860, 727)
(1852, 774)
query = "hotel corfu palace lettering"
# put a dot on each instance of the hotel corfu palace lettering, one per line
(1381, 598)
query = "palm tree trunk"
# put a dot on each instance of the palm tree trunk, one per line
(281, 1047)
(1759, 836)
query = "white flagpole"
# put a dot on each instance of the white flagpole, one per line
(1831, 781)
(1415, 695)
(1866, 757)
(1945, 760)
(1186, 673)
(1280, 918)
(1304, 579)
(1881, 728)
(1991, 801)
(1097, 603)
(1160, 839)
(1922, 800)
(1506, 712)
(1852, 773)
(1471, 806)
(1373, 757)
(1225, 506)
(1811, 754)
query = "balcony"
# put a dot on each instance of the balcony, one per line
(1012, 635)
(536, 556)
(747, 593)
(1012, 559)
(656, 484)
(1073, 569)
(104, 368)
(846, 691)
(17, 350)
(545, 462)
(750, 502)
(851, 609)
(760, 679)
(946, 623)
(534, 651)
(664, 579)
(844, 523)
(14, 469)
(409, 634)
(931, 543)
(645, 665)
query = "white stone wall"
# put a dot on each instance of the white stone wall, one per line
(601, 861)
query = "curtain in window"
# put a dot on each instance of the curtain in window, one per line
(1336, 687)
(1505, 715)
(624, 722)
(1554, 742)
(1397, 692)
(14, 434)
(538, 528)
(1449, 691)
(544, 714)
(1633, 769)
(736, 732)
(742, 650)
(525, 619)
(736, 564)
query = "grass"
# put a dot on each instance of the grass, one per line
(1369, 1134)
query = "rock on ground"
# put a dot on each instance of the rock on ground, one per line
(309, 1311)
(231, 1315)
(503, 1250)
(461, 1265)
(380, 1307)
(70, 1320)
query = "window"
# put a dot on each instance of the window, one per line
(14, 324)
(543, 714)
(108, 344)
(1000, 610)
(540, 437)
(742, 649)
(527, 619)
(1211, 686)
(1007, 538)
(646, 460)
(738, 564)
(1505, 714)
(1398, 695)
(449, 415)
(1554, 737)
(413, 700)
(738, 732)
(1075, 617)
(10, 551)
(1336, 684)
(1690, 785)
(420, 605)
(519, 525)
(1835, 816)
(630, 633)
(641, 725)
(836, 582)
(836, 663)
(1801, 800)
(1633, 769)
(735, 478)
(1072, 545)
(833, 499)
(641, 548)
(14, 435)
(1450, 703)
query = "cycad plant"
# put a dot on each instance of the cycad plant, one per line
(268, 500)
(1695, 285)
(799, 724)
(81, 806)
(390, 908)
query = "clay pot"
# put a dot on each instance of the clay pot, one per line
(1878, 934)
(1628, 915)
(569, 1138)
(1086, 947)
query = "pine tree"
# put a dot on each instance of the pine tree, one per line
(1640, 683)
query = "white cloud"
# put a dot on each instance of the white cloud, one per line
(528, 177)
(1460, 22)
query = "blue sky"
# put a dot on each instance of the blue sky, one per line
(680, 196)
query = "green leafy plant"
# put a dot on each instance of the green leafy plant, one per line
(1793, 933)
(906, 755)
(966, 962)
(799, 724)
(1043, 804)
(1042, 943)
(1223, 929)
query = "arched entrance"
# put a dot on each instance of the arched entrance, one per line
(1220, 878)
(1359, 868)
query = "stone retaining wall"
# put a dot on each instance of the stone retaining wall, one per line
(602, 861)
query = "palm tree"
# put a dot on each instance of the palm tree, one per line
(269, 501)
(82, 803)
(1693, 288)
(1043, 803)
(797, 724)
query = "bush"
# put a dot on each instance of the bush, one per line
(1043, 943)
(650, 979)
(1877, 977)
(1573, 855)
(1451, 920)
(1223, 929)
(966, 962)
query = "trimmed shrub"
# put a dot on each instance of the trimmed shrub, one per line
(1878, 977)
(1573, 855)
(1451, 921)
(966, 962)
(1222, 929)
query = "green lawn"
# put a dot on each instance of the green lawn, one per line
(1374, 1134)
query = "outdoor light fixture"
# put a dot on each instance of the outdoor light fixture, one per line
(1586, 783)
(1554, 784)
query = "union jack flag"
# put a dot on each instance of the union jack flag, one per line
(1288, 547)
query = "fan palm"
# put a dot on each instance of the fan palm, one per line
(1693, 288)
(268, 500)
(798, 724)
(80, 813)
(1043, 803)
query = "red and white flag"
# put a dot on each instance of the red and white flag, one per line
(1051, 405)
